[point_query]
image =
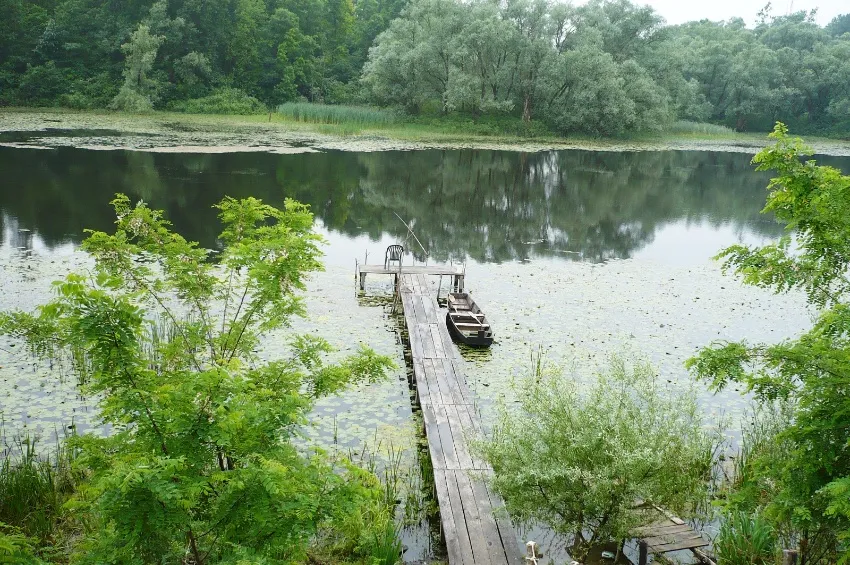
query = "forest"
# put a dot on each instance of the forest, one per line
(607, 67)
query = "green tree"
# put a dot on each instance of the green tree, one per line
(200, 461)
(138, 91)
(803, 491)
(580, 462)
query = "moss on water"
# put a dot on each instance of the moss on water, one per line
(278, 133)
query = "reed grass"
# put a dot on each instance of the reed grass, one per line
(336, 114)
(33, 488)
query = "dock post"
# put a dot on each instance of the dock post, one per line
(789, 557)
(460, 282)
(643, 552)
(362, 280)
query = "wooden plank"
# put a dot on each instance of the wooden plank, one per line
(446, 440)
(653, 531)
(456, 503)
(439, 346)
(665, 539)
(431, 311)
(415, 342)
(480, 552)
(687, 544)
(423, 391)
(471, 428)
(411, 270)
(464, 459)
(429, 350)
(506, 530)
(434, 368)
(450, 533)
(495, 544)
(432, 434)
(433, 384)
(456, 382)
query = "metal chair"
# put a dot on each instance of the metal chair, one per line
(394, 253)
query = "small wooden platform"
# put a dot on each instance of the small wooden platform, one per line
(475, 533)
(455, 272)
(670, 534)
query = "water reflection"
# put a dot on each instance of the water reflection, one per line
(489, 206)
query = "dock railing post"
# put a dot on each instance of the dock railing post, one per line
(643, 552)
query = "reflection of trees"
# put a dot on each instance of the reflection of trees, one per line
(487, 205)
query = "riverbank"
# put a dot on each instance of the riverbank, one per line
(274, 133)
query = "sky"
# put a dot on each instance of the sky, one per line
(680, 11)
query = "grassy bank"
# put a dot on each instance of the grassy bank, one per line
(368, 129)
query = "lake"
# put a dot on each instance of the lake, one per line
(580, 254)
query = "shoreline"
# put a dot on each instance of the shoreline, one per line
(196, 133)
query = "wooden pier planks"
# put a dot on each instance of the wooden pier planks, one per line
(474, 531)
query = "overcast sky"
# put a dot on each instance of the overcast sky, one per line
(679, 11)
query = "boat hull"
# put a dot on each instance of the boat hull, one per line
(477, 339)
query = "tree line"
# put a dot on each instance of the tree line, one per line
(612, 66)
(604, 68)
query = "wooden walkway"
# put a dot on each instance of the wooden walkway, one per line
(668, 534)
(474, 533)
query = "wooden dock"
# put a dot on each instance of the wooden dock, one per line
(456, 273)
(474, 532)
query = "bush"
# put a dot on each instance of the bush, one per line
(203, 463)
(128, 100)
(222, 101)
(579, 461)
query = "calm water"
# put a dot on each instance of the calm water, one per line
(486, 206)
(579, 253)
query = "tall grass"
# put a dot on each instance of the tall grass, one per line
(33, 488)
(698, 128)
(745, 539)
(328, 114)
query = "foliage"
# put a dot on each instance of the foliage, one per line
(17, 548)
(223, 101)
(605, 67)
(201, 462)
(809, 466)
(581, 462)
(745, 539)
(327, 114)
(139, 90)
(32, 489)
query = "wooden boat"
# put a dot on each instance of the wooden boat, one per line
(466, 321)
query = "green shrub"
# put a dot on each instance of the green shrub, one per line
(329, 114)
(40, 85)
(578, 460)
(222, 101)
(745, 539)
(15, 547)
(128, 100)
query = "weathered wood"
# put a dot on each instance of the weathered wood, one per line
(473, 520)
(685, 544)
(412, 270)
(447, 519)
(668, 539)
(474, 531)
(668, 528)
